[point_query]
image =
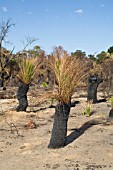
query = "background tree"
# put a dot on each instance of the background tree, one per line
(92, 57)
(78, 54)
(110, 50)
(102, 57)
(4, 55)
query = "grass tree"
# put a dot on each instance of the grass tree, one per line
(27, 69)
(69, 72)
(94, 79)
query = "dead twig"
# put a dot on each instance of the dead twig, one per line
(12, 126)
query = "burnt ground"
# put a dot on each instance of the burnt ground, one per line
(24, 137)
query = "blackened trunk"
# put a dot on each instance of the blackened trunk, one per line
(1, 83)
(22, 97)
(59, 131)
(2, 74)
(4, 77)
(93, 83)
(111, 113)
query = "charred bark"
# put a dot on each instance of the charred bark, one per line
(93, 82)
(2, 78)
(59, 131)
(1, 82)
(111, 113)
(22, 97)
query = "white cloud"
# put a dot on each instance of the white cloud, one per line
(79, 11)
(102, 5)
(47, 10)
(56, 17)
(4, 9)
(29, 12)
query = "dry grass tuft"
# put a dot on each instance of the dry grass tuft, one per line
(69, 72)
(28, 67)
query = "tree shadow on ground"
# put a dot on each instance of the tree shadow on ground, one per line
(101, 100)
(36, 108)
(78, 132)
(73, 104)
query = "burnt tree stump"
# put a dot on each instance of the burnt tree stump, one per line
(22, 97)
(59, 131)
(93, 82)
(111, 113)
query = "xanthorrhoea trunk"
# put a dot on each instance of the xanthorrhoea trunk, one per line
(111, 113)
(2, 78)
(93, 82)
(1, 82)
(59, 131)
(22, 97)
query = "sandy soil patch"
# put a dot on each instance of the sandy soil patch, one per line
(89, 139)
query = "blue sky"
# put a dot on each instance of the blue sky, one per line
(85, 25)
